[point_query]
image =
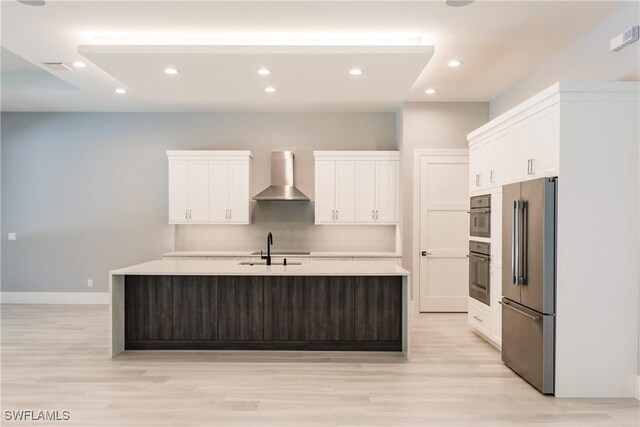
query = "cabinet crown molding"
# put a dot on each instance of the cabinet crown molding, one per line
(560, 91)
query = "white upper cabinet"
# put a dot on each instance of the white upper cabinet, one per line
(386, 184)
(239, 191)
(356, 187)
(345, 191)
(365, 192)
(546, 152)
(523, 147)
(178, 191)
(209, 187)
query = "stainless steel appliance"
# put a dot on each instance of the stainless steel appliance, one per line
(479, 271)
(282, 186)
(529, 280)
(480, 216)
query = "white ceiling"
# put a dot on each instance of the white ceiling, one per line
(127, 44)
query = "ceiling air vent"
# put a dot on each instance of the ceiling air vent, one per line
(57, 66)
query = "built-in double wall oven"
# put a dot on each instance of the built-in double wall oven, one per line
(480, 252)
(479, 271)
(480, 216)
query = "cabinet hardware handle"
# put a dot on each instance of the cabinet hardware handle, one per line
(377, 217)
(337, 214)
(477, 180)
(186, 214)
(229, 214)
(533, 162)
(491, 177)
(189, 213)
(373, 214)
(478, 319)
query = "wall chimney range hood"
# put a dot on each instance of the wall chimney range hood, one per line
(281, 187)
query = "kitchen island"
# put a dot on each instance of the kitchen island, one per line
(225, 305)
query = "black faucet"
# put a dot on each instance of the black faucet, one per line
(269, 243)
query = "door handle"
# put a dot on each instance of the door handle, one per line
(478, 319)
(514, 243)
(504, 304)
(525, 237)
(425, 253)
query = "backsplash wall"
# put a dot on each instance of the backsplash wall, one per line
(293, 229)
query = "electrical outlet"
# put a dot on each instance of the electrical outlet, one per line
(12, 236)
(90, 283)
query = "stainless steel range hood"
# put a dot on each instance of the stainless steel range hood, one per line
(281, 187)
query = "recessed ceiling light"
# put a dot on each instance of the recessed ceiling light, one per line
(32, 2)
(264, 71)
(120, 91)
(430, 91)
(459, 3)
(355, 71)
(171, 71)
(269, 89)
(79, 64)
(454, 63)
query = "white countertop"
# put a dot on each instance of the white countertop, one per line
(170, 267)
(186, 254)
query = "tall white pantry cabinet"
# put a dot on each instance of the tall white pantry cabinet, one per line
(209, 187)
(587, 134)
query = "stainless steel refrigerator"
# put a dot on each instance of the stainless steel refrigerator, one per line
(529, 280)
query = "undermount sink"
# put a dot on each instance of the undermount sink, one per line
(265, 263)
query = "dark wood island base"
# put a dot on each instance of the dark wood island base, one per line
(341, 313)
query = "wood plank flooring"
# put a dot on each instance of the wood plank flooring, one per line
(55, 357)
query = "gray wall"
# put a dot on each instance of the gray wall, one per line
(87, 192)
(441, 125)
(588, 58)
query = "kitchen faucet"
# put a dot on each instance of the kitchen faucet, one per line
(269, 243)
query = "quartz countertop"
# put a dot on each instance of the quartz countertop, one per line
(171, 267)
(292, 254)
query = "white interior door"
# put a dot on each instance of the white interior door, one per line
(218, 190)
(239, 191)
(444, 233)
(178, 190)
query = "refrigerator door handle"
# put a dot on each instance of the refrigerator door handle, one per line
(514, 243)
(504, 304)
(525, 249)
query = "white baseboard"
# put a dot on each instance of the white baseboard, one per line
(54, 297)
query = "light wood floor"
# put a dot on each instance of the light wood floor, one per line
(55, 357)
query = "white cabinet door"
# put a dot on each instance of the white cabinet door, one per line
(503, 154)
(325, 191)
(178, 191)
(524, 143)
(386, 191)
(475, 166)
(239, 191)
(547, 142)
(345, 190)
(365, 191)
(218, 190)
(198, 190)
